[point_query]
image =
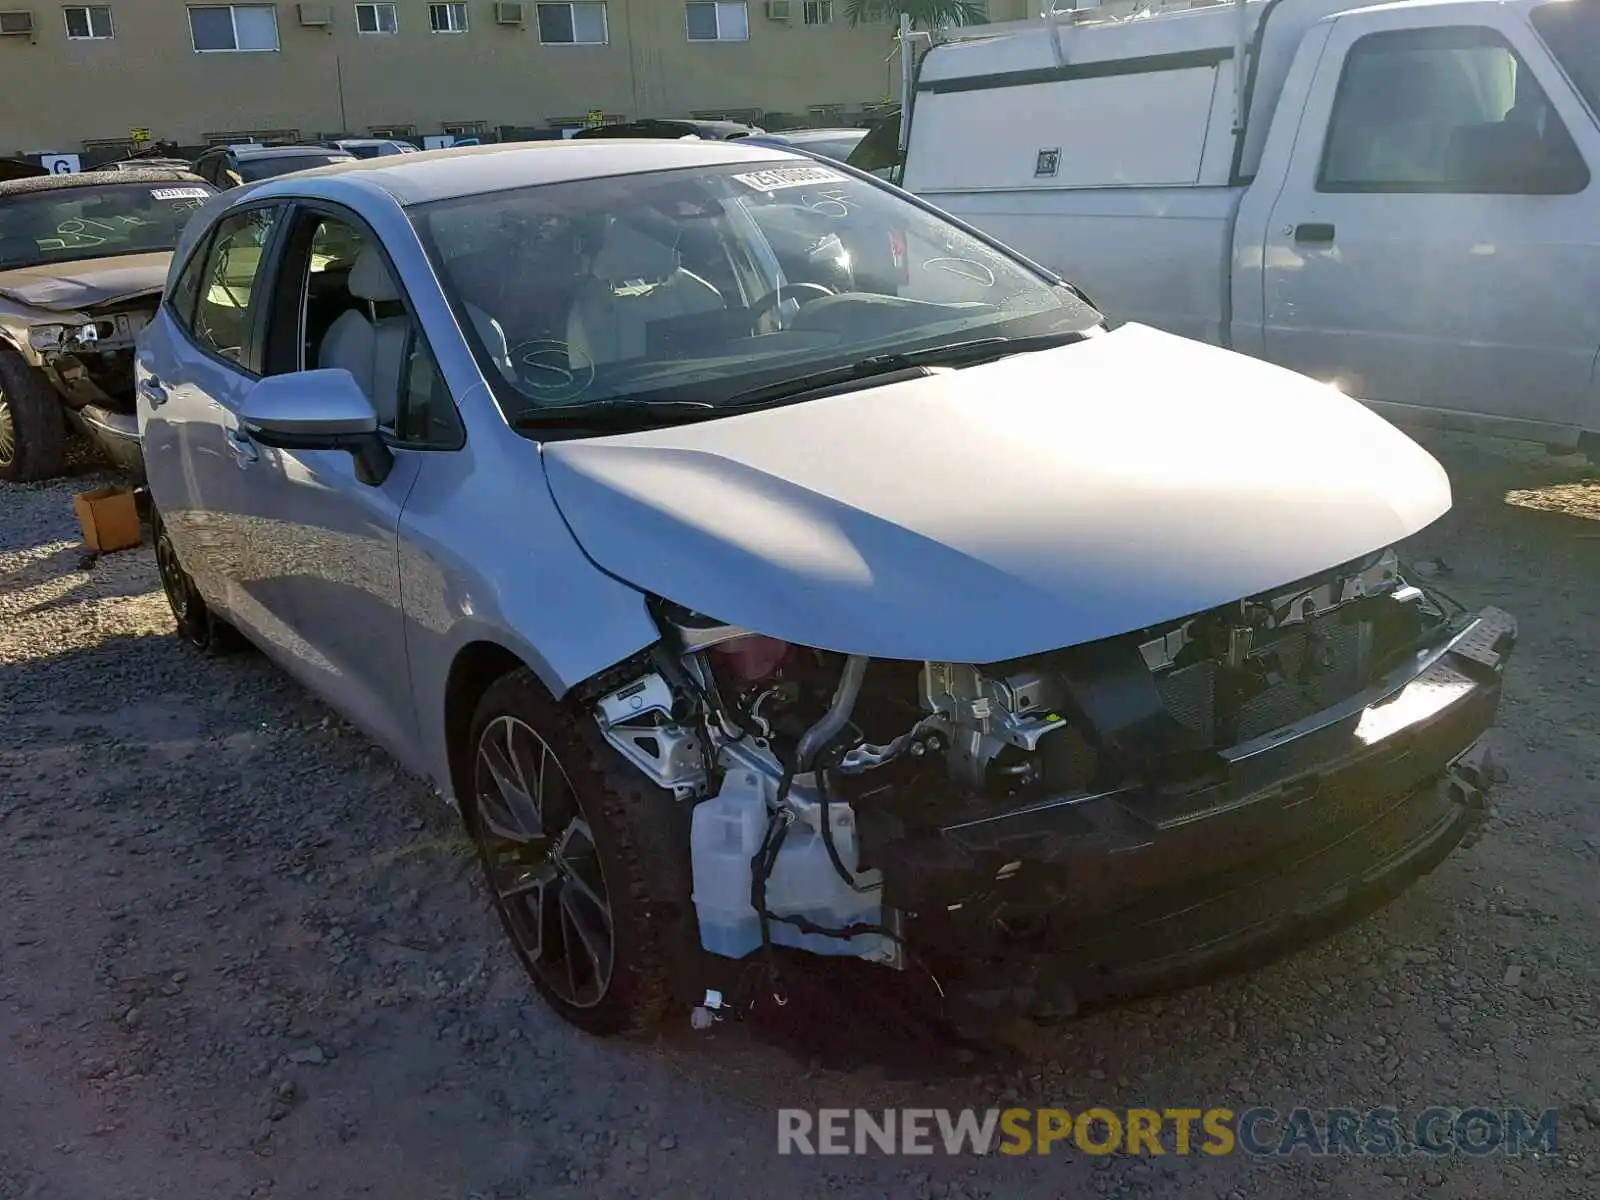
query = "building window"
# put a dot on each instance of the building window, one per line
(392, 131)
(465, 129)
(447, 18)
(92, 24)
(818, 12)
(379, 19)
(572, 24)
(720, 22)
(240, 27)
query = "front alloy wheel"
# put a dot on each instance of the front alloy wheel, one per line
(542, 863)
(32, 435)
(559, 823)
(8, 434)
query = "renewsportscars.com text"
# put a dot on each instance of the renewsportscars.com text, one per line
(1258, 1132)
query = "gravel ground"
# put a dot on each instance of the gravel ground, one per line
(242, 954)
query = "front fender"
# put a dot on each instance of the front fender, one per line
(492, 561)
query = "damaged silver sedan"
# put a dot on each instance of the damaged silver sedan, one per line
(82, 262)
(769, 565)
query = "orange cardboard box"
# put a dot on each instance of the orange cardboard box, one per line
(109, 519)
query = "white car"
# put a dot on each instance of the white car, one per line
(757, 595)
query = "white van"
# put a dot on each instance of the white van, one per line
(1408, 207)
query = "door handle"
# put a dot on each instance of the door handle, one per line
(244, 450)
(1315, 231)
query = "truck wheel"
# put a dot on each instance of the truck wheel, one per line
(32, 433)
(560, 831)
(197, 624)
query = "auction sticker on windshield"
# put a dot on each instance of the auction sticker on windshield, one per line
(185, 193)
(788, 177)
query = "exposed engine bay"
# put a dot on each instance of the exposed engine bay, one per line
(831, 792)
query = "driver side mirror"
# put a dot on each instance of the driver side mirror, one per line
(323, 409)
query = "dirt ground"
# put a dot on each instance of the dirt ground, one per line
(242, 954)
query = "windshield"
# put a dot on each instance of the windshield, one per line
(705, 283)
(95, 222)
(1572, 32)
(284, 164)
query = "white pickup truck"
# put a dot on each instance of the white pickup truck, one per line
(1401, 199)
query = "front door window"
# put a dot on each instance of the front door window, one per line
(222, 323)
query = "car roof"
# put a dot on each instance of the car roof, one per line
(52, 183)
(432, 175)
(249, 151)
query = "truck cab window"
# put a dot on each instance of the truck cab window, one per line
(1450, 109)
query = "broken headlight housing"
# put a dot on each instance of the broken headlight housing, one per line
(53, 337)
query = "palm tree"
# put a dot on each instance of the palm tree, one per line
(924, 14)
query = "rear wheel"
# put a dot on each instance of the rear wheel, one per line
(558, 830)
(33, 436)
(197, 624)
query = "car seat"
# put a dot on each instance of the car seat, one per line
(634, 279)
(372, 348)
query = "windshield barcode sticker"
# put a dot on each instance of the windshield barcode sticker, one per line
(788, 177)
(189, 193)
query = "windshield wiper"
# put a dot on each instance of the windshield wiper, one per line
(907, 362)
(621, 412)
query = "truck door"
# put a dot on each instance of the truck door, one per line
(1432, 245)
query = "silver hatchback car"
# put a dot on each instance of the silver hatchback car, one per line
(768, 564)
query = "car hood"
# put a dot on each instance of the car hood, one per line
(75, 286)
(1007, 509)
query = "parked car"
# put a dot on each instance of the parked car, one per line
(230, 166)
(19, 168)
(1405, 209)
(371, 147)
(82, 262)
(830, 143)
(145, 164)
(910, 621)
(673, 127)
(878, 153)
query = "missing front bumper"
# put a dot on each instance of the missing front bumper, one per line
(1079, 899)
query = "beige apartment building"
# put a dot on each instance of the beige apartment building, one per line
(77, 77)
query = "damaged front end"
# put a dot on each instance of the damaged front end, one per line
(87, 358)
(90, 360)
(1090, 822)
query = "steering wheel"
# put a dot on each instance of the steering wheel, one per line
(799, 292)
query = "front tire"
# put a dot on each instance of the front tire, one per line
(197, 624)
(559, 825)
(33, 436)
